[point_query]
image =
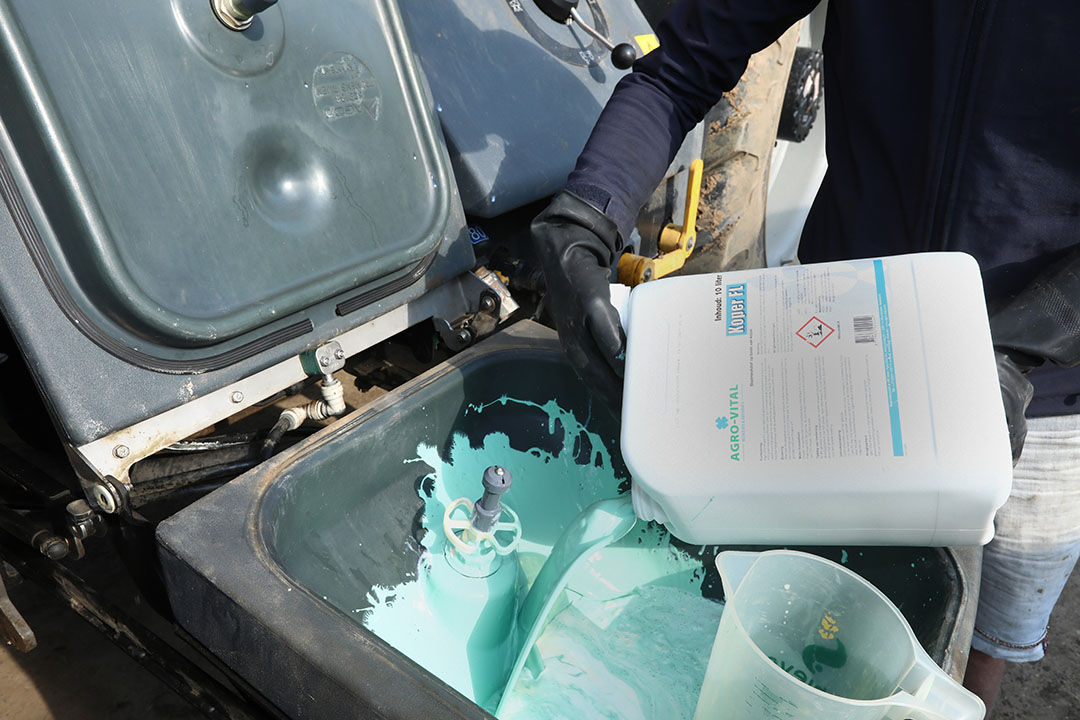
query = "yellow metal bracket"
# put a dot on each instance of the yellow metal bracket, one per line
(676, 241)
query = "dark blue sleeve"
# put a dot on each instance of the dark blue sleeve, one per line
(704, 48)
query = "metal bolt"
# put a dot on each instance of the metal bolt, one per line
(464, 336)
(647, 274)
(121, 451)
(232, 15)
(324, 361)
(487, 303)
(237, 396)
(499, 471)
(339, 354)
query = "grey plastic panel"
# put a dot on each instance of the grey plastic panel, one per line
(518, 93)
(197, 184)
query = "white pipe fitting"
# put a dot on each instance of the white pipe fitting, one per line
(332, 405)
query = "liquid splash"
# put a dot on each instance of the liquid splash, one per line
(623, 607)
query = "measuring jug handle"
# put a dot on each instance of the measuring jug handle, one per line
(939, 697)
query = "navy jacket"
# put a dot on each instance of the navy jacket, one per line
(952, 125)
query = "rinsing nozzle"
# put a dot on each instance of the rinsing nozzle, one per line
(488, 509)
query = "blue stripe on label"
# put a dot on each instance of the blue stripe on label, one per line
(890, 364)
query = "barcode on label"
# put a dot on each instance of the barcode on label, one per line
(864, 329)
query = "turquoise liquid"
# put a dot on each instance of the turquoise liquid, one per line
(643, 656)
(629, 636)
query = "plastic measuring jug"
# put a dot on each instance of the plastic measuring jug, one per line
(803, 638)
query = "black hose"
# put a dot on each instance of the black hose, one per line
(178, 485)
(197, 467)
(211, 442)
(35, 533)
(274, 436)
(160, 468)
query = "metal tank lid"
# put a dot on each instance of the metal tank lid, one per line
(187, 204)
(203, 182)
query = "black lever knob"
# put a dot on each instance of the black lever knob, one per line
(623, 56)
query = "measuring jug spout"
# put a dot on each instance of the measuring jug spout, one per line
(733, 567)
(804, 638)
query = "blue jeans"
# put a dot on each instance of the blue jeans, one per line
(1036, 546)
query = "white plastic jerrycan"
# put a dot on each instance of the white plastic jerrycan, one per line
(840, 403)
(803, 638)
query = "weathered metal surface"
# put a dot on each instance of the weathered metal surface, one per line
(739, 137)
(14, 630)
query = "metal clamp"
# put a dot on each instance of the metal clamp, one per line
(324, 360)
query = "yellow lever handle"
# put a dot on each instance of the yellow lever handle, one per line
(676, 241)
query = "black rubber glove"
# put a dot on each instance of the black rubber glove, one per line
(576, 244)
(1016, 393)
(1041, 322)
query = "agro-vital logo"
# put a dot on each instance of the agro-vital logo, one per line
(817, 657)
(735, 298)
(730, 422)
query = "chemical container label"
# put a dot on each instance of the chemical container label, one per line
(819, 380)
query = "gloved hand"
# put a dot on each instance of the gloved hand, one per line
(1041, 322)
(576, 244)
(1016, 393)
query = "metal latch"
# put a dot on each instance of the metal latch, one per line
(676, 241)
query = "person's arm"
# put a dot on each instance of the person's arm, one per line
(705, 46)
(1040, 323)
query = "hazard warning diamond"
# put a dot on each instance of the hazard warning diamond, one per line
(815, 331)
